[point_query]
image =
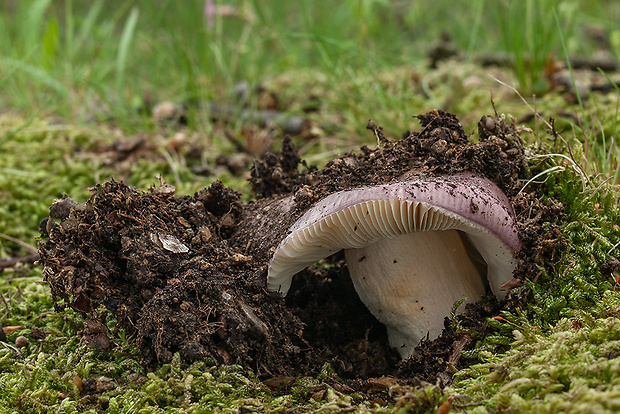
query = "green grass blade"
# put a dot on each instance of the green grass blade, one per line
(568, 64)
(475, 30)
(50, 44)
(34, 16)
(86, 26)
(69, 29)
(37, 74)
(123, 49)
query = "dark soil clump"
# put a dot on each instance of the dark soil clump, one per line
(164, 267)
(187, 274)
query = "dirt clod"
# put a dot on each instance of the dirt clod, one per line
(61, 208)
(187, 274)
(95, 335)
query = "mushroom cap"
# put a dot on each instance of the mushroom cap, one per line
(359, 217)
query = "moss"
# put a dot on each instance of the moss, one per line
(574, 367)
(577, 281)
(51, 373)
(57, 372)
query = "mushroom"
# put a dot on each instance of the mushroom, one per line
(413, 249)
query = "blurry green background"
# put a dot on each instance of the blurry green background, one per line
(64, 55)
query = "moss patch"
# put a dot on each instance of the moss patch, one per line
(573, 366)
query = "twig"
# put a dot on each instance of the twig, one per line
(6, 305)
(512, 88)
(572, 163)
(571, 159)
(4, 263)
(289, 124)
(612, 249)
(21, 243)
(11, 347)
(378, 131)
(577, 62)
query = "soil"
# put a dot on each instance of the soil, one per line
(187, 274)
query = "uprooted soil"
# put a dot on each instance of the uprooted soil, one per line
(187, 274)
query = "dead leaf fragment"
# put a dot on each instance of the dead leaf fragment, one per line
(446, 406)
(277, 382)
(238, 258)
(163, 189)
(168, 242)
(381, 384)
(10, 329)
(78, 383)
(511, 284)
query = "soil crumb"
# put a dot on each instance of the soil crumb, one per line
(188, 274)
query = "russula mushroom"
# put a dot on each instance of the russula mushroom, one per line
(413, 248)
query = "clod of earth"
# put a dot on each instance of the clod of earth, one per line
(413, 248)
(188, 274)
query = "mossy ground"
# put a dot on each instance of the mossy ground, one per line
(571, 366)
(558, 352)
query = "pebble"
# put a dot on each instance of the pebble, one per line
(21, 341)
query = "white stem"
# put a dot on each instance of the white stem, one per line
(411, 282)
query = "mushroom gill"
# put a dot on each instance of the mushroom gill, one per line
(408, 247)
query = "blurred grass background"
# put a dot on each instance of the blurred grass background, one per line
(64, 56)
(83, 66)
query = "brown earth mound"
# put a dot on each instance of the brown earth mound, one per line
(187, 274)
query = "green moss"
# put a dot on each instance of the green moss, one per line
(43, 376)
(564, 355)
(573, 367)
(577, 281)
(50, 374)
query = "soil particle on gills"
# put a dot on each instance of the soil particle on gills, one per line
(188, 274)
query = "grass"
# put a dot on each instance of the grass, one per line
(63, 55)
(533, 37)
(78, 76)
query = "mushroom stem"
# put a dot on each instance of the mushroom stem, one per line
(443, 271)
